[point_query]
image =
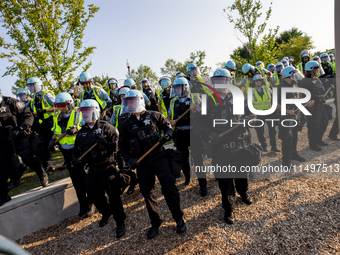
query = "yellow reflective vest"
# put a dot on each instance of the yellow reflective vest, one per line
(96, 93)
(74, 120)
(164, 111)
(262, 103)
(115, 113)
(45, 104)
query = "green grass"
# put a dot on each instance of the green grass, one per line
(30, 180)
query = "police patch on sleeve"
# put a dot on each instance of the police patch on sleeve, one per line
(20, 105)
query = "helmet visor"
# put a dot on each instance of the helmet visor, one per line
(297, 75)
(325, 59)
(194, 71)
(64, 107)
(271, 69)
(89, 114)
(132, 105)
(85, 83)
(22, 97)
(220, 80)
(30, 87)
(179, 90)
(145, 84)
(279, 68)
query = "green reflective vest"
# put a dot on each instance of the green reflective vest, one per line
(96, 93)
(276, 78)
(164, 111)
(194, 99)
(74, 120)
(45, 104)
(262, 103)
(115, 114)
(300, 67)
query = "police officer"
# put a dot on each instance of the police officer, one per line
(249, 71)
(305, 57)
(67, 120)
(291, 61)
(277, 76)
(289, 135)
(181, 102)
(99, 163)
(42, 108)
(318, 122)
(139, 133)
(164, 95)
(132, 85)
(24, 96)
(179, 75)
(15, 123)
(231, 67)
(150, 94)
(94, 92)
(117, 118)
(271, 68)
(262, 97)
(261, 70)
(226, 150)
(112, 83)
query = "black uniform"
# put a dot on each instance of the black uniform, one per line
(15, 123)
(288, 135)
(317, 123)
(77, 174)
(43, 129)
(114, 97)
(136, 138)
(227, 150)
(101, 169)
(153, 99)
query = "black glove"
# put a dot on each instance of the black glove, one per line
(320, 99)
(101, 140)
(132, 162)
(214, 138)
(71, 131)
(75, 162)
(164, 139)
(40, 113)
(51, 145)
(14, 134)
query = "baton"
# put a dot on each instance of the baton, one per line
(89, 150)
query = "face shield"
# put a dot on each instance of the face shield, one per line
(132, 105)
(285, 63)
(297, 75)
(64, 108)
(194, 71)
(271, 69)
(220, 80)
(279, 68)
(325, 59)
(31, 87)
(22, 97)
(145, 84)
(179, 90)
(113, 87)
(89, 114)
(320, 71)
(86, 85)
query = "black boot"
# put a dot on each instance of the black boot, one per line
(246, 199)
(153, 231)
(264, 148)
(297, 157)
(181, 228)
(228, 217)
(286, 163)
(104, 220)
(322, 143)
(275, 149)
(315, 148)
(120, 230)
(4, 199)
(204, 192)
(13, 184)
(334, 138)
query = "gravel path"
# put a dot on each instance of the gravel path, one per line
(290, 215)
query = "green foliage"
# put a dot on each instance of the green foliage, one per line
(265, 51)
(102, 80)
(294, 47)
(248, 14)
(285, 36)
(45, 40)
(143, 71)
(171, 66)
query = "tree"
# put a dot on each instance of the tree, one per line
(285, 36)
(143, 71)
(249, 11)
(102, 80)
(294, 47)
(45, 40)
(172, 66)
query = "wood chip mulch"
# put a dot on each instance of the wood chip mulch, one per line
(290, 215)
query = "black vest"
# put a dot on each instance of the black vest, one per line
(143, 135)
(7, 119)
(151, 95)
(179, 109)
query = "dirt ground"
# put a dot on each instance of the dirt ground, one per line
(290, 215)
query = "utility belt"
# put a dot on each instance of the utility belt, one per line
(155, 152)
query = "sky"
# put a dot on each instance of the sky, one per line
(149, 32)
